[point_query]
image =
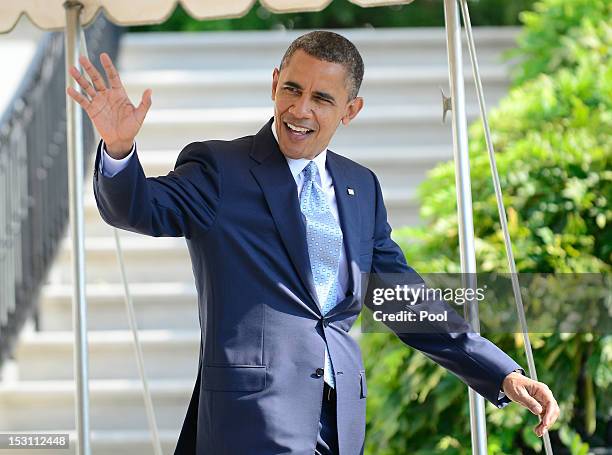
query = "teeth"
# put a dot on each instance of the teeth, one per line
(297, 128)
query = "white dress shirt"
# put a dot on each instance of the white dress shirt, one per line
(109, 167)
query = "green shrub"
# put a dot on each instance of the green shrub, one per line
(557, 33)
(553, 151)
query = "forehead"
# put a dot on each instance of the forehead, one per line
(312, 73)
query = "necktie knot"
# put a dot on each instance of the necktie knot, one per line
(310, 172)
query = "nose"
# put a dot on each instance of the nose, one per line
(301, 107)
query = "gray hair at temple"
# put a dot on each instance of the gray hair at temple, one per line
(334, 48)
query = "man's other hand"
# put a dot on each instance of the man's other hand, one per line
(535, 396)
(109, 108)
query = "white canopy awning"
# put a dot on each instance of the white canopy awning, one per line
(50, 14)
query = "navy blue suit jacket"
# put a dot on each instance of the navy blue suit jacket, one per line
(263, 334)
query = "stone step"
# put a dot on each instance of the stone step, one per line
(264, 50)
(142, 255)
(387, 162)
(115, 404)
(170, 306)
(184, 88)
(398, 202)
(378, 126)
(400, 169)
(167, 354)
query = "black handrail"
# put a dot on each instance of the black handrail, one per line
(34, 176)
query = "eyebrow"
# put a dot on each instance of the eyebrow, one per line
(324, 95)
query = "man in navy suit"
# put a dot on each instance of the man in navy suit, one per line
(279, 229)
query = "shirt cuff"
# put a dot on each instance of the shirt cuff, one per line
(109, 166)
(501, 392)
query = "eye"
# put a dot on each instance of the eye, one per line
(323, 100)
(291, 89)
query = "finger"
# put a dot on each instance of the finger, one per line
(82, 81)
(111, 72)
(529, 402)
(94, 74)
(547, 422)
(145, 104)
(80, 99)
(546, 398)
(539, 430)
(551, 414)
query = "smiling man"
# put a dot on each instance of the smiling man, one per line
(279, 229)
(312, 94)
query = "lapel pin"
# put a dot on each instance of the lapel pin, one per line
(350, 191)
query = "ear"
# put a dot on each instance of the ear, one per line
(352, 110)
(275, 74)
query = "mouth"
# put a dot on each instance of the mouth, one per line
(296, 132)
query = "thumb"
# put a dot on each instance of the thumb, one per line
(145, 104)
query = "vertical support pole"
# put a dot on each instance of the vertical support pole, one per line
(464, 203)
(74, 124)
(500, 206)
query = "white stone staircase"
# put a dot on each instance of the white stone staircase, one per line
(213, 86)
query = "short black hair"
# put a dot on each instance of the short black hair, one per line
(334, 48)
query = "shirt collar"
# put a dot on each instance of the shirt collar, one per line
(296, 166)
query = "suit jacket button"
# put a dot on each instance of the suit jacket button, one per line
(325, 322)
(319, 372)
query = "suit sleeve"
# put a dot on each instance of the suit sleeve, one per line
(474, 359)
(181, 203)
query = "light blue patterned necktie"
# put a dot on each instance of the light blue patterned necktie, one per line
(324, 238)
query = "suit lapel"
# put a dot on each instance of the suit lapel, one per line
(348, 211)
(278, 186)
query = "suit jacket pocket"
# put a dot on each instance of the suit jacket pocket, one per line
(234, 378)
(364, 387)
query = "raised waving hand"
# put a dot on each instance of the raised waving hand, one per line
(109, 108)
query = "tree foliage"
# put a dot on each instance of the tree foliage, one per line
(344, 14)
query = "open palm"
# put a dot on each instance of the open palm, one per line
(109, 108)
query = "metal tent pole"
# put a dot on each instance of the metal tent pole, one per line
(74, 126)
(131, 315)
(500, 205)
(464, 202)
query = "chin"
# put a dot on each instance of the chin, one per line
(295, 154)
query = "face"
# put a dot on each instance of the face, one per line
(310, 96)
